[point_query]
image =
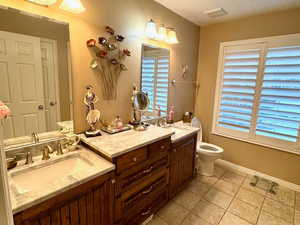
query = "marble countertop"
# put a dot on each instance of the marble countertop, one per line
(29, 186)
(121, 143)
(185, 130)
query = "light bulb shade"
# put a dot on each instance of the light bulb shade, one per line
(172, 37)
(162, 33)
(150, 30)
(74, 6)
(43, 2)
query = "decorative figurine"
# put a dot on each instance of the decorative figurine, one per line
(93, 115)
(134, 120)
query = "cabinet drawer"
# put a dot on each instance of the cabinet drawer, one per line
(147, 210)
(126, 181)
(131, 159)
(147, 193)
(142, 194)
(159, 148)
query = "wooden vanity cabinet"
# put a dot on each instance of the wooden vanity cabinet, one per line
(142, 180)
(88, 204)
(182, 164)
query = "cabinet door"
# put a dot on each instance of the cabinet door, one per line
(181, 165)
(92, 207)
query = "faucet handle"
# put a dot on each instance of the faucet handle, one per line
(46, 152)
(59, 150)
(28, 157)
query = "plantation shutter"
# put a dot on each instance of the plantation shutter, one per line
(239, 73)
(148, 79)
(279, 106)
(155, 80)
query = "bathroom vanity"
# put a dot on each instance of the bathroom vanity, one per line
(132, 175)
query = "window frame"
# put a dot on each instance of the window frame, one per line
(252, 137)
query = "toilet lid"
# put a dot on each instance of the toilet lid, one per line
(209, 148)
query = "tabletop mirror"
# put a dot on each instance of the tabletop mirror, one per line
(35, 75)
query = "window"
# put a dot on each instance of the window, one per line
(155, 78)
(258, 92)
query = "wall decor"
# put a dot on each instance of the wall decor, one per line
(110, 57)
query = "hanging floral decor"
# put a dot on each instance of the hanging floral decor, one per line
(109, 57)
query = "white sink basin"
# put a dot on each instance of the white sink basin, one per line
(59, 171)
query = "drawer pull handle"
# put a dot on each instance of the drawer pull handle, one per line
(148, 191)
(174, 150)
(147, 212)
(162, 147)
(134, 159)
(148, 170)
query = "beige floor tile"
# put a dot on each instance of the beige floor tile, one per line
(198, 188)
(230, 219)
(268, 219)
(219, 198)
(278, 209)
(246, 184)
(207, 180)
(250, 197)
(232, 177)
(228, 188)
(219, 171)
(209, 212)
(187, 199)
(283, 195)
(192, 219)
(157, 221)
(244, 210)
(173, 214)
(297, 218)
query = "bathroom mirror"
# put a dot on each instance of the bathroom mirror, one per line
(35, 75)
(141, 101)
(155, 68)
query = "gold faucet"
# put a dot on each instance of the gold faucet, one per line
(46, 152)
(35, 137)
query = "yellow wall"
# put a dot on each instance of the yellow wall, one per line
(128, 17)
(270, 161)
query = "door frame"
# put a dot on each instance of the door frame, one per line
(56, 76)
(6, 215)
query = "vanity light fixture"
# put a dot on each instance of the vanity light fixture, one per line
(42, 2)
(162, 33)
(74, 6)
(172, 37)
(151, 31)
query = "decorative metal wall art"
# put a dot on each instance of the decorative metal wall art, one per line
(109, 57)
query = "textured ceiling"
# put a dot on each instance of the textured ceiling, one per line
(193, 9)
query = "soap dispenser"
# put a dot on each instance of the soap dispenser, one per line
(171, 114)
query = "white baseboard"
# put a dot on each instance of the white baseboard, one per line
(231, 166)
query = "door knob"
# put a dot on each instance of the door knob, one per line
(53, 103)
(40, 107)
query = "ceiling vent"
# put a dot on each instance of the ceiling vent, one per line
(216, 12)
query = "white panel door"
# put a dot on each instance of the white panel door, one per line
(51, 83)
(22, 84)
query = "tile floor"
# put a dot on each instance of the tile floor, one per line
(228, 199)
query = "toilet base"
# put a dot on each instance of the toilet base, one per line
(206, 165)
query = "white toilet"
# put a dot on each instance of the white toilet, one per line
(207, 153)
